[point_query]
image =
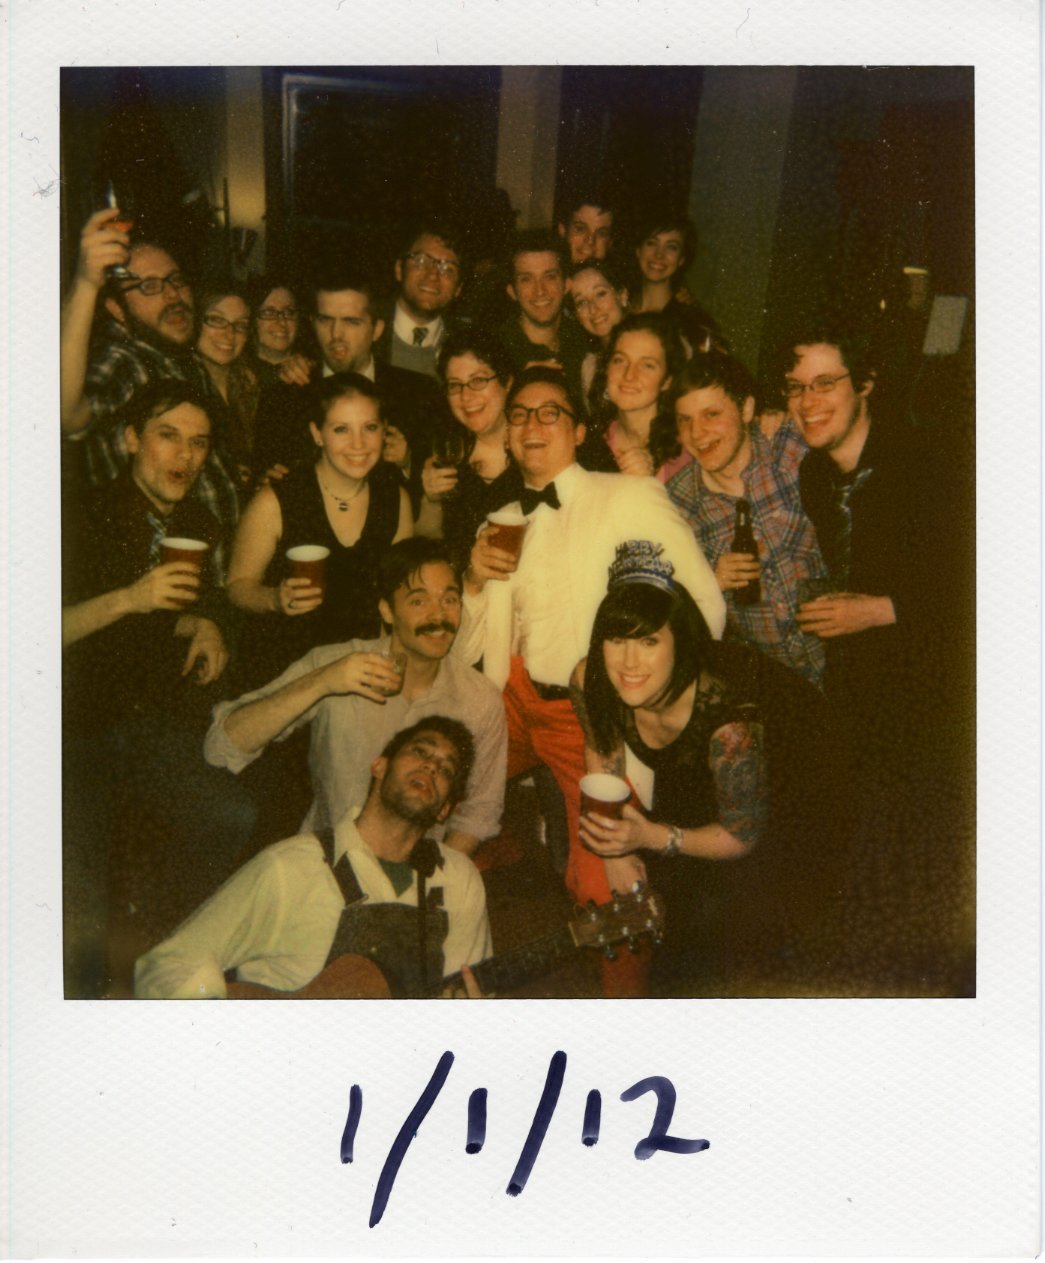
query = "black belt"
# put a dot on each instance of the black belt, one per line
(551, 692)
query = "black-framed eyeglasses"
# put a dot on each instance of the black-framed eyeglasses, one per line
(546, 414)
(150, 286)
(220, 323)
(422, 259)
(476, 385)
(278, 313)
(818, 386)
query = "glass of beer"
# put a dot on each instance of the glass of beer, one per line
(309, 561)
(507, 529)
(188, 551)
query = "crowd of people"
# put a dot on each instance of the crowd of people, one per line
(302, 663)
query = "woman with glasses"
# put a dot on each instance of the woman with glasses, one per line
(224, 329)
(643, 357)
(669, 709)
(470, 472)
(275, 328)
(349, 501)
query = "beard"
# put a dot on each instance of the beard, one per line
(400, 803)
(157, 339)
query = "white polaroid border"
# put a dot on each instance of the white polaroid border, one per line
(835, 1127)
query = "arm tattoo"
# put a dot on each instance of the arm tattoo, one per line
(738, 765)
(612, 762)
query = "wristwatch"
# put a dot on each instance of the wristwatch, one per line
(674, 841)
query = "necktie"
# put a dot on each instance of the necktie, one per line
(420, 333)
(844, 543)
(530, 499)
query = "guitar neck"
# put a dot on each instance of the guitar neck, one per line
(502, 973)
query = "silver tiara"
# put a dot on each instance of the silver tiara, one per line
(640, 561)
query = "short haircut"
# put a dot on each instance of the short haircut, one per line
(549, 377)
(455, 732)
(629, 611)
(159, 397)
(115, 286)
(537, 241)
(585, 197)
(336, 280)
(714, 368)
(662, 327)
(399, 563)
(852, 343)
(485, 346)
(441, 229)
(344, 386)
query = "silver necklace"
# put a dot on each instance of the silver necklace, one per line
(343, 504)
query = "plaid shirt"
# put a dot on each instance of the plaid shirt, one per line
(121, 365)
(786, 539)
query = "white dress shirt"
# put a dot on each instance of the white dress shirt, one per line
(348, 732)
(545, 610)
(274, 920)
(403, 327)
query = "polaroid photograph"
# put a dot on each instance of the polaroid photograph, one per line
(519, 528)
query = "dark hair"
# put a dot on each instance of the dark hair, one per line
(337, 279)
(214, 288)
(455, 732)
(259, 288)
(714, 368)
(344, 386)
(443, 231)
(668, 221)
(609, 269)
(663, 439)
(399, 563)
(537, 241)
(853, 345)
(483, 345)
(549, 377)
(584, 197)
(631, 610)
(115, 286)
(159, 397)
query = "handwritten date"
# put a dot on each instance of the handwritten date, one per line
(657, 1138)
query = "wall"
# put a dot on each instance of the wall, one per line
(527, 140)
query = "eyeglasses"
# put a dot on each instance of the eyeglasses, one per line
(219, 322)
(421, 259)
(546, 414)
(819, 386)
(475, 384)
(152, 285)
(275, 313)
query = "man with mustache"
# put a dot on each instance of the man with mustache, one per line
(354, 699)
(146, 335)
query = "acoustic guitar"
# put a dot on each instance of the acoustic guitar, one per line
(625, 919)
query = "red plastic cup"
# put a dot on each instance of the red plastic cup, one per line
(604, 795)
(309, 561)
(507, 531)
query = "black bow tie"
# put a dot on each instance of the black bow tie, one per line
(530, 499)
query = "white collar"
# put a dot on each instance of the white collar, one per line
(404, 325)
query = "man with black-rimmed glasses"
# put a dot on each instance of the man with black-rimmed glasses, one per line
(142, 332)
(429, 274)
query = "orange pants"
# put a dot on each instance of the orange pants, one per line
(549, 733)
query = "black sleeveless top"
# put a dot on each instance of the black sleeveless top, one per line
(349, 608)
(271, 642)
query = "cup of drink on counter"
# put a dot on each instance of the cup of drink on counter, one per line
(604, 795)
(507, 529)
(396, 659)
(309, 561)
(190, 552)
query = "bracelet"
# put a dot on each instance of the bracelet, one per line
(674, 841)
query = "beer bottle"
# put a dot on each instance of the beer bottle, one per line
(744, 542)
